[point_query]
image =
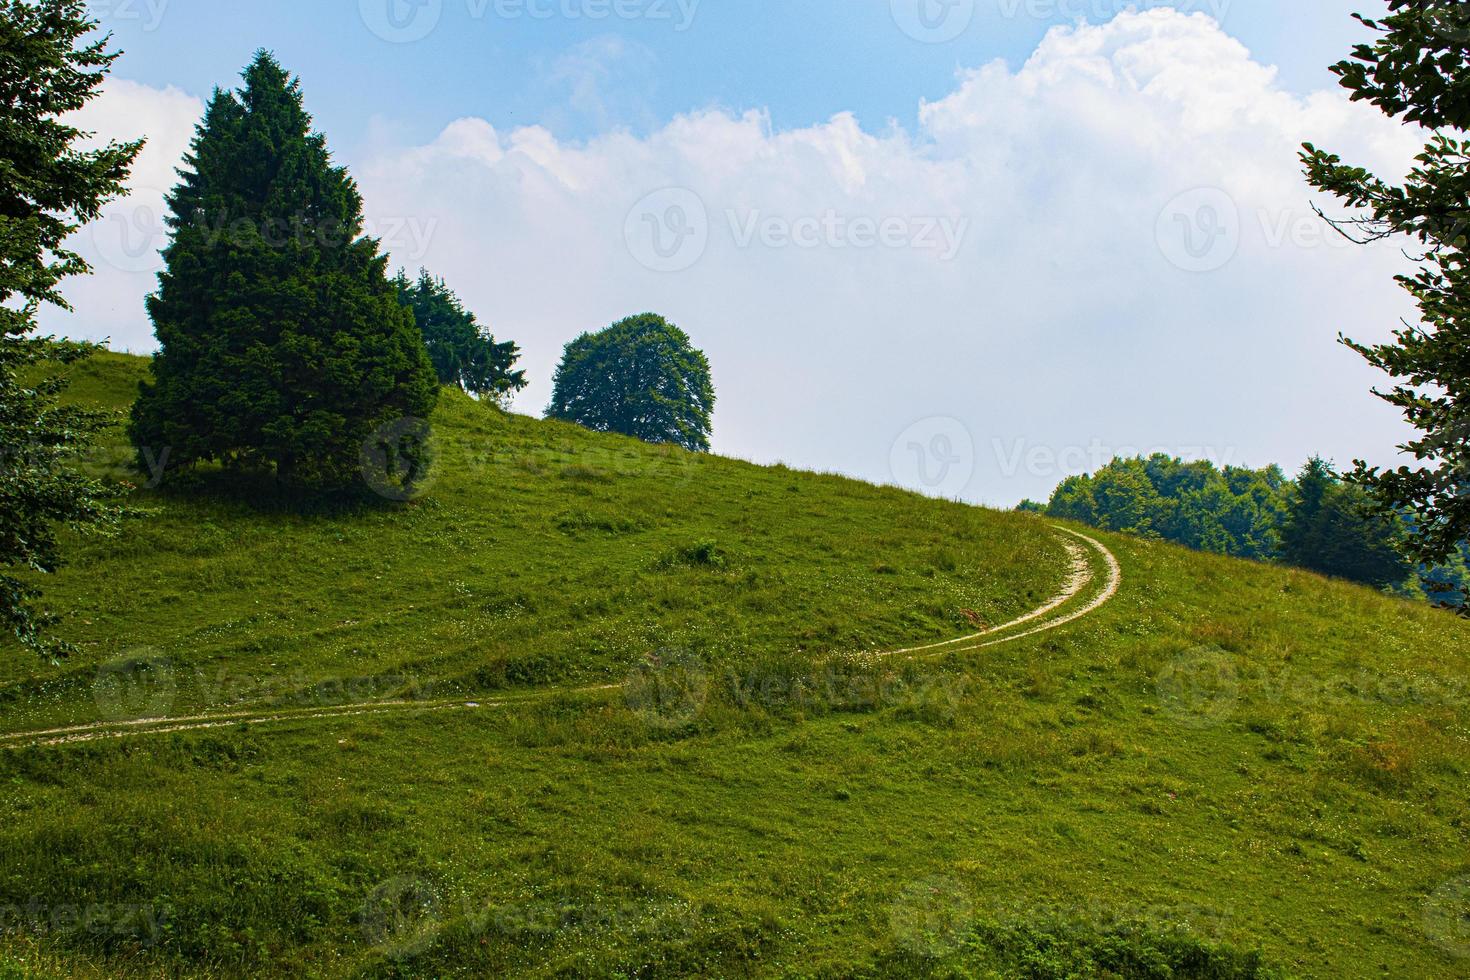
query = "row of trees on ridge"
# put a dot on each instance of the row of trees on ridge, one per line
(285, 346)
(1318, 521)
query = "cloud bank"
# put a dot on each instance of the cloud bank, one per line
(1109, 248)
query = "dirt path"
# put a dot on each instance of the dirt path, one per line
(1104, 596)
(1054, 614)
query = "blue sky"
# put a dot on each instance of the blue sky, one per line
(802, 60)
(970, 254)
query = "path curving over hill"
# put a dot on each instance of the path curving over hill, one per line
(1080, 596)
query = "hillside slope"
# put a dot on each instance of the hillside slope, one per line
(541, 553)
(690, 765)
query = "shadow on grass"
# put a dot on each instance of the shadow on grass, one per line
(261, 492)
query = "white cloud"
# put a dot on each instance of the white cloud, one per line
(123, 244)
(605, 80)
(1066, 323)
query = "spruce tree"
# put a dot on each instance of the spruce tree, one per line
(1302, 536)
(283, 345)
(464, 354)
(48, 188)
(1333, 528)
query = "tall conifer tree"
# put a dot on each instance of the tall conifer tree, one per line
(463, 352)
(282, 341)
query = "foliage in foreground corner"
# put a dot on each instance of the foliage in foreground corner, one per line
(1418, 70)
(48, 188)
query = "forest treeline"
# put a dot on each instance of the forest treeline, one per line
(1317, 521)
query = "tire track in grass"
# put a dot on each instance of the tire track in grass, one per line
(1054, 614)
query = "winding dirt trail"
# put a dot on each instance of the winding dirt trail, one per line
(1083, 550)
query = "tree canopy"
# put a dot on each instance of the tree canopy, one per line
(641, 377)
(1232, 512)
(1418, 70)
(1318, 521)
(283, 344)
(464, 354)
(1336, 529)
(48, 188)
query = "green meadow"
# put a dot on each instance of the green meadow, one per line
(641, 726)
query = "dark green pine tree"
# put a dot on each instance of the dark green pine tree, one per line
(1302, 535)
(48, 187)
(1334, 528)
(1364, 541)
(463, 353)
(283, 345)
(641, 377)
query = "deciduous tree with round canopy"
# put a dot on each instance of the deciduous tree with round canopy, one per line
(641, 377)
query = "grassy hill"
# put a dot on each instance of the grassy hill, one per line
(686, 759)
